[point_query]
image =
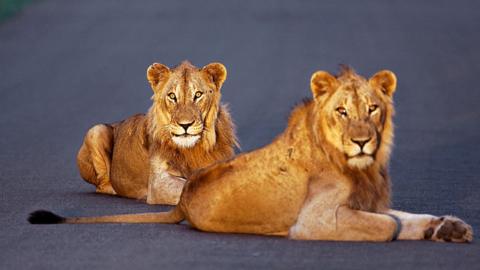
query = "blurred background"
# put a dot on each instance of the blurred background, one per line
(10, 7)
(66, 65)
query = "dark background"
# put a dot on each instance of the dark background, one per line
(66, 65)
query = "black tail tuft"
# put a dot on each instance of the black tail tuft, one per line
(45, 217)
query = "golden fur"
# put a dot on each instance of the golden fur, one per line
(148, 156)
(324, 178)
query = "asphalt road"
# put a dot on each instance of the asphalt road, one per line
(66, 65)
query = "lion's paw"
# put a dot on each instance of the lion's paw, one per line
(449, 229)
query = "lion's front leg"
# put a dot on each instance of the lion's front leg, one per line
(325, 216)
(163, 187)
(428, 227)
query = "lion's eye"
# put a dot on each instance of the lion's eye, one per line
(372, 108)
(172, 97)
(342, 111)
(198, 94)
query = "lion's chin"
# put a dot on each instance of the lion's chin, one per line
(186, 141)
(360, 162)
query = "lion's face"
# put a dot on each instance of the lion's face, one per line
(353, 111)
(186, 98)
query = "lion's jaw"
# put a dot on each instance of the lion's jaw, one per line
(186, 141)
(360, 161)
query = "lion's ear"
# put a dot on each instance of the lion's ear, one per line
(385, 80)
(157, 75)
(217, 73)
(322, 82)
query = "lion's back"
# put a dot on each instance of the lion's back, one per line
(130, 155)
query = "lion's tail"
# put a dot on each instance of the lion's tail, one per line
(171, 217)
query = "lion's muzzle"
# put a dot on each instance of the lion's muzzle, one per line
(186, 133)
(361, 146)
(186, 126)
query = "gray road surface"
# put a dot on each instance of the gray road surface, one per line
(66, 65)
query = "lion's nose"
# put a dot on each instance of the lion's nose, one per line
(185, 126)
(361, 142)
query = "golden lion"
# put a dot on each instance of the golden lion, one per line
(324, 178)
(149, 156)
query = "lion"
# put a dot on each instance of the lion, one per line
(324, 178)
(150, 156)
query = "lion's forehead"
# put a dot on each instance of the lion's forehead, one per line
(186, 84)
(357, 101)
(194, 84)
(355, 98)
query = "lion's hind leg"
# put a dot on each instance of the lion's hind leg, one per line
(94, 158)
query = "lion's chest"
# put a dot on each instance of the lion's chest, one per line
(369, 192)
(184, 164)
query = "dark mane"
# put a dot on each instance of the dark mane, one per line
(346, 70)
(184, 65)
(305, 101)
(302, 103)
(349, 77)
